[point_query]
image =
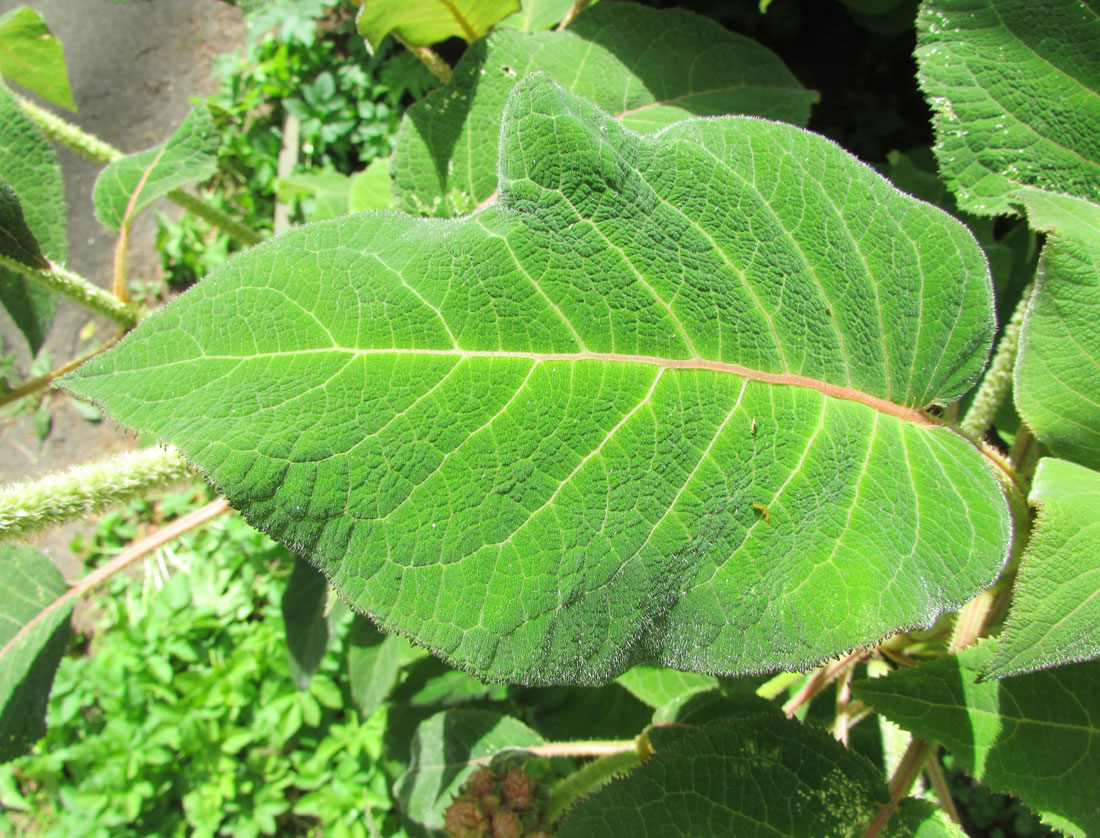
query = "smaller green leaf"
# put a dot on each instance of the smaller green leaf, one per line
(1055, 616)
(16, 239)
(536, 15)
(921, 819)
(657, 686)
(28, 164)
(374, 663)
(1013, 88)
(1035, 736)
(371, 189)
(307, 629)
(34, 58)
(1057, 376)
(129, 185)
(757, 776)
(30, 648)
(444, 750)
(425, 22)
(329, 189)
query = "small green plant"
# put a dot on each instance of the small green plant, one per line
(699, 448)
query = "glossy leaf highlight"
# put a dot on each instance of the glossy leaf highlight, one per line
(624, 57)
(1015, 86)
(536, 440)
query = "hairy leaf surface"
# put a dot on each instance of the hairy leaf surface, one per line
(31, 56)
(622, 56)
(655, 405)
(1055, 616)
(28, 164)
(1034, 736)
(130, 184)
(756, 776)
(1057, 376)
(28, 656)
(1015, 85)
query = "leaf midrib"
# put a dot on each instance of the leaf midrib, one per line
(903, 412)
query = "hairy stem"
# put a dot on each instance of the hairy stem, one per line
(587, 780)
(429, 58)
(906, 774)
(90, 146)
(821, 678)
(36, 384)
(997, 383)
(78, 288)
(64, 496)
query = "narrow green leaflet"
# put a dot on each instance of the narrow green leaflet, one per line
(1015, 86)
(536, 15)
(624, 57)
(657, 687)
(307, 629)
(374, 663)
(443, 752)
(28, 655)
(758, 776)
(1057, 376)
(1055, 616)
(28, 164)
(1035, 736)
(34, 58)
(16, 239)
(656, 405)
(129, 185)
(425, 22)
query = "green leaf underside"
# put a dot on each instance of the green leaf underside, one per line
(760, 776)
(307, 631)
(1015, 85)
(16, 239)
(657, 687)
(533, 439)
(130, 184)
(28, 660)
(1055, 616)
(32, 57)
(443, 755)
(28, 164)
(1035, 736)
(425, 22)
(1057, 376)
(624, 57)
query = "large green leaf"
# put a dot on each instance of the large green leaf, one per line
(1055, 616)
(28, 164)
(424, 22)
(658, 404)
(757, 776)
(626, 58)
(29, 653)
(1035, 736)
(130, 184)
(535, 15)
(34, 58)
(1015, 85)
(443, 754)
(1057, 376)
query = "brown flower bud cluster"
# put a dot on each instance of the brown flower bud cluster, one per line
(497, 804)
